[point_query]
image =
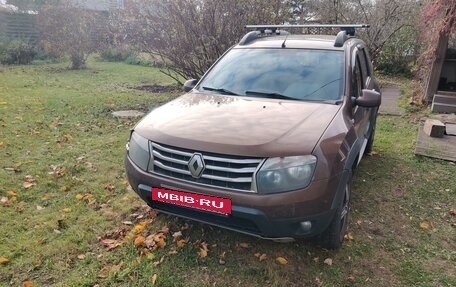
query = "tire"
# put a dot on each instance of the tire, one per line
(333, 236)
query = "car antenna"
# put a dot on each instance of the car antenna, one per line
(283, 44)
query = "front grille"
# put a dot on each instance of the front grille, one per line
(226, 171)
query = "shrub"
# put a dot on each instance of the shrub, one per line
(17, 51)
(116, 54)
(70, 30)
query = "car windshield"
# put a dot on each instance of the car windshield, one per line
(297, 74)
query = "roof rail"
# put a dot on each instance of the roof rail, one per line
(347, 31)
(252, 35)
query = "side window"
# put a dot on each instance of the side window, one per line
(363, 65)
(357, 79)
(368, 62)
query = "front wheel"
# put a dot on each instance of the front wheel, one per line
(333, 236)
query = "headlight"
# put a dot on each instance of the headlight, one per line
(279, 174)
(138, 150)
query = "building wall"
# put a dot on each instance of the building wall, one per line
(100, 5)
(18, 25)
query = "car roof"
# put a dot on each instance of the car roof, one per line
(294, 41)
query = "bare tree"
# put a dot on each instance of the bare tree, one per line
(438, 23)
(189, 35)
(386, 18)
(71, 30)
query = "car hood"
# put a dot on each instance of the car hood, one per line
(238, 125)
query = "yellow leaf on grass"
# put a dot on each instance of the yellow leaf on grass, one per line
(3, 260)
(202, 253)
(27, 284)
(79, 196)
(349, 236)
(154, 279)
(263, 257)
(281, 260)
(181, 243)
(109, 187)
(161, 243)
(139, 240)
(140, 227)
(28, 185)
(425, 225)
(11, 193)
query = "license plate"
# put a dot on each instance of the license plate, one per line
(192, 200)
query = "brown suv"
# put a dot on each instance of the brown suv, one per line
(266, 142)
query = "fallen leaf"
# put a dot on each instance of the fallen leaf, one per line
(110, 243)
(28, 185)
(160, 240)
(3, 260)
(104, 272)
(349, 236)
(154, 279)
(4, 200)
(202, 253)
(263, 257)
(12, 193)
(57, 171)
(81, 256)
(127, 222)
(156, 263)
(139, 240)
(328, 261)
(66, 210)
(185, 227)
(453, 212)
(79, 196)
(27, 284)
(425, 225)
(110, 187)
(177, 234)
(244, 245)
(373, 153)
(140, 227)
(281, 260)
(39, 207)
(181, 243)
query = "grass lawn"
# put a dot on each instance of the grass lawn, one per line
(68, 217)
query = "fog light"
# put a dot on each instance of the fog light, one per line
(306, 226)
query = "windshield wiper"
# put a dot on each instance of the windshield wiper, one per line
(273, 95)
(220, 90)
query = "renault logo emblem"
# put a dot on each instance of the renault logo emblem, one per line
(196, 165)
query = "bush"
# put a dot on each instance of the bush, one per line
(17, 51)
(116, 54)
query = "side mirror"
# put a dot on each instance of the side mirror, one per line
(189, 85)
(369, 99)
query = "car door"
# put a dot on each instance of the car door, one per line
(360, 80)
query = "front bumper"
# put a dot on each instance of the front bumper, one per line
(275, 216)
